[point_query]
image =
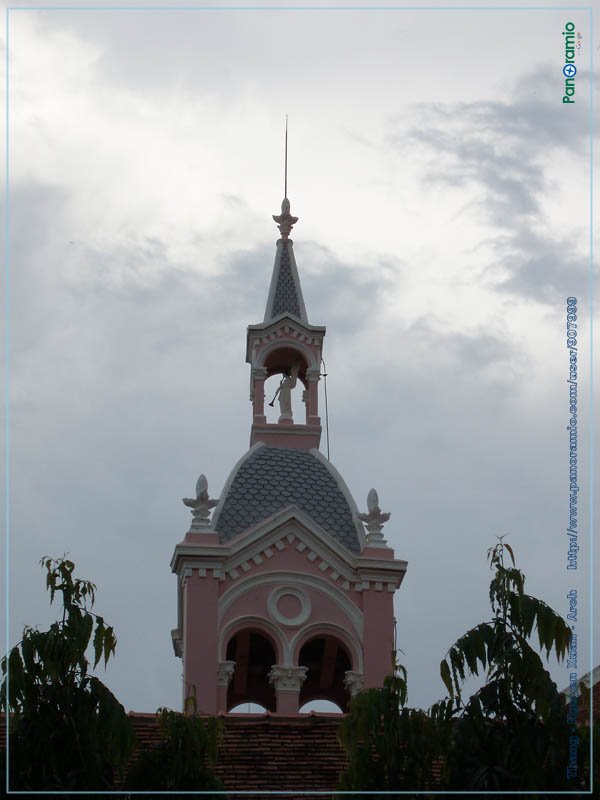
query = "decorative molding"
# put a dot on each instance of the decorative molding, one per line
(353, 682)
(225, 670)
(302, 582)
(177, 640)
(345, 635)
(264, 626)
(287, 679)
(291, 622)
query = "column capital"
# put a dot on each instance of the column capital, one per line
(287, 679)
(354, 682)
(225, 670)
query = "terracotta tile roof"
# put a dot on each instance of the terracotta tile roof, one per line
(270, 752)
(265, 752)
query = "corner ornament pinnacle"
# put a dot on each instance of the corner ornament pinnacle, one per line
(285, 221)
(200, 505)
(374, 520)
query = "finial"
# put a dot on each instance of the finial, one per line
(285, 221)
(374, 520)
(200, 505)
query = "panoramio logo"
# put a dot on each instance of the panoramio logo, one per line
(569, 69)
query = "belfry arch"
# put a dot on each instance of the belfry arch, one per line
(253, 654)
(328, 662)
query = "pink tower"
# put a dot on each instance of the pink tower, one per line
(283, 596)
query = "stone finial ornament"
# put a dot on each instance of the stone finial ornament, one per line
(200, 505)
(285, 221)
(374, 520)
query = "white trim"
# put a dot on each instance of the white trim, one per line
(261, 624)
(342, 486)
(291, 622)
(274, 530)
(293, 344)
(312, 631)
(333, 592)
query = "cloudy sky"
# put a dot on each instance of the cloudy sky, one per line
(443, 193)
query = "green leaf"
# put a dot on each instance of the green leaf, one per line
(98, 640)
(110, 644)
(445, 674)
(510, 552)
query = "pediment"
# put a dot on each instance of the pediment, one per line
(291, 527)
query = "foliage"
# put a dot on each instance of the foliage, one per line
(511, 734)
(389, 746)
(586, 770)
(185, 758)
(69, 732)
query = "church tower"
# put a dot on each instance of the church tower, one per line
(283, 596)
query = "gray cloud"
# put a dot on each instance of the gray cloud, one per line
(501, 149)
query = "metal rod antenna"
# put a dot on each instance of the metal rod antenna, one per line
(285, 179)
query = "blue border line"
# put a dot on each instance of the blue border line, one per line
(7, 365)
(591, 396)
(7, 385)
(299, 8)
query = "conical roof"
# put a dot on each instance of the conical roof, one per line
(285, 292)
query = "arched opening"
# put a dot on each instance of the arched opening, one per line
(254, 655)
(281, 363)
(328, 661)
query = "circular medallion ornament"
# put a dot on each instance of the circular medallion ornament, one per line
(288, 606)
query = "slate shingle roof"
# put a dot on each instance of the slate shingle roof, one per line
(286, 294)
(272, 478)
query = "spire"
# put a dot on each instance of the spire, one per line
(285, 294)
